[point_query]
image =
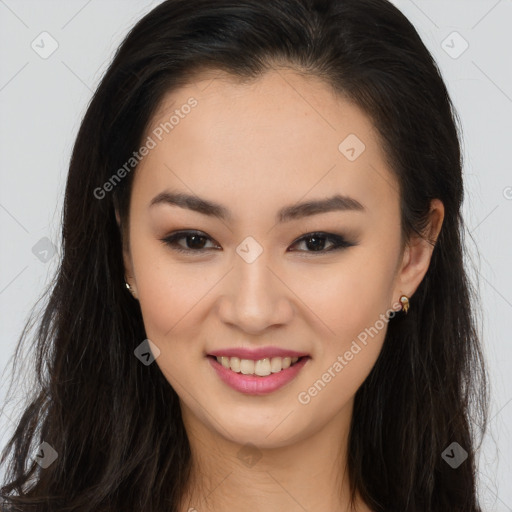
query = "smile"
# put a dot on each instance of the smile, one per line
(261, 367)
(257, 377)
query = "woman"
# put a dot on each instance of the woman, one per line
(262, 300)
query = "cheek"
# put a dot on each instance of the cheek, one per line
(350, 296)
(168, 291)
(169, 296)
(172, 299)
(355, 304)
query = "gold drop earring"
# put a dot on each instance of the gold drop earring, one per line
(404, 300)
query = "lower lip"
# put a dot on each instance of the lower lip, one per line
(253, 384)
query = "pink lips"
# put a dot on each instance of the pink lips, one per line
(254, 384)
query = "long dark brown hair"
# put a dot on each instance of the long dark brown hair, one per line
(116, 423)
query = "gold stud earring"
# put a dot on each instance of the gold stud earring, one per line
(404, 300)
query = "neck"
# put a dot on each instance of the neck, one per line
(310, 474)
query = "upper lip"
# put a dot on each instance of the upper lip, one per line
(256, 353)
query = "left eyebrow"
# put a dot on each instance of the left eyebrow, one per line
(292, 212)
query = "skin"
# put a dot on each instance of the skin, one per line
(255, 148)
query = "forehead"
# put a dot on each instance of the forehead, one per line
(279, 138)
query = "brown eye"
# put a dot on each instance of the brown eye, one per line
(194, 241)
(316, 242)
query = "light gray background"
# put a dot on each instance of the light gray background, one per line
(42, 101)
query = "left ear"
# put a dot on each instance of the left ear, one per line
(418, 253)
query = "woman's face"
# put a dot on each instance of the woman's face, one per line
(280, 158)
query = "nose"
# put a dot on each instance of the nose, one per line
(255, 297)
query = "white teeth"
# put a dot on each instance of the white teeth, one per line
(275, 365)
(246, 366)
(235, 364)
(262, 367)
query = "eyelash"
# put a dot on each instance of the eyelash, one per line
(339, 241)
